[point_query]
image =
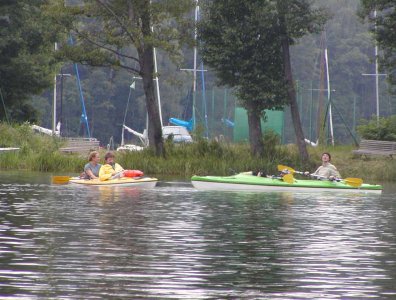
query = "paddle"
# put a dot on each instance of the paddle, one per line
(288, 178)
(355, 182)
(60, 179)
(291, 170)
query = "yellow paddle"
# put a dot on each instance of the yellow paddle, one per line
(60, 179)
(291, 170)
(288, 178)
(355, 182)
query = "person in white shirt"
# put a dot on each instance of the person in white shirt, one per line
(326, 170)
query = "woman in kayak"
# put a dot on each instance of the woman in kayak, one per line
(326, 170)
(91, 169)
(110, 170)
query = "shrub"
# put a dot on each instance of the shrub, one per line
(384, 130)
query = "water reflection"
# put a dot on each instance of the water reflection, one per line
(173, 242)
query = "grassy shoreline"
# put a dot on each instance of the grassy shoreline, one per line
(40, 153)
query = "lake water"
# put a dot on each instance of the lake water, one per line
(174, 242)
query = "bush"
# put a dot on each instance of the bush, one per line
(384, 130)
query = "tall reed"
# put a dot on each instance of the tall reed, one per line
(36, 152)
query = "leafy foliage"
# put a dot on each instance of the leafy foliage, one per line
(26, 56)
(109, 33)
(124, 34)
(384, 31)
(384, 130)
(247, 43)
(240, 44)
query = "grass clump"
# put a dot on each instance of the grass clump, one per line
(205, 157)
(36, 152)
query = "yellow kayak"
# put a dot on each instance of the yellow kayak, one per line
(146, 182)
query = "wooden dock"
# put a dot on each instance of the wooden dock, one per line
(80, 145)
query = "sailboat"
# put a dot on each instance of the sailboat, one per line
(80, 145)
(142, 136)
(190, 125)
(177, 133)
(328, 113)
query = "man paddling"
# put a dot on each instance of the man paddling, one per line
(326, 170)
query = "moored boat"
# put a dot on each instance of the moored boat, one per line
(248, 182)
(144, 182)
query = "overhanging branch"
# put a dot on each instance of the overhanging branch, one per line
(118, 20)
(86, 37)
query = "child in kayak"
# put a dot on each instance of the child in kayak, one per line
(111, 169)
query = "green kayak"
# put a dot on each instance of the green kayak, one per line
(249, 182)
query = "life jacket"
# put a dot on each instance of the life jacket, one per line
(133, 173)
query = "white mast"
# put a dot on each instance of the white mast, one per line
(157, 84)
(376, 70)
(329, 99)
(54, 101)
(195, 61)
(156, 80)
(54, 108)
(376, 74)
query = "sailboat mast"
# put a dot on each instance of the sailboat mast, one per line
(54, 101)
(329, 98)
(156, 81)
(195, 62)
(376, 71)
(54, 109)
(157, 84)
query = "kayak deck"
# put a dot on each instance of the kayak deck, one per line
(248, 182)
(146, 182)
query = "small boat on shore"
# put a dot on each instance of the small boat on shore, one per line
(249, 182)
(144, 182)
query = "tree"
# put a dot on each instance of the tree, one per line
(384, 31)
(296, 18)
(26, 60)
(123, 34)
(248, 46)
(239, 43)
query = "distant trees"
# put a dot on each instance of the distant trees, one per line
(26, 57)
(384, 24)
(247, 43)
(123, 34)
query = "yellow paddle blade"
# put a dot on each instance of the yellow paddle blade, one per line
(60, 179)
(282, 167)
(288, 178)
(355, 182)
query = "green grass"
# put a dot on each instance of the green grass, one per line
(37, 152)
(40, 153)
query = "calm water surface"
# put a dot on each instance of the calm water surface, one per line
(174, 242)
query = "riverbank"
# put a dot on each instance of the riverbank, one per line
(40, 153)
(224, 159)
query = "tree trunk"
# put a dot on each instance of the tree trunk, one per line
(146, 61)
(255, 135)
(302, 147)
